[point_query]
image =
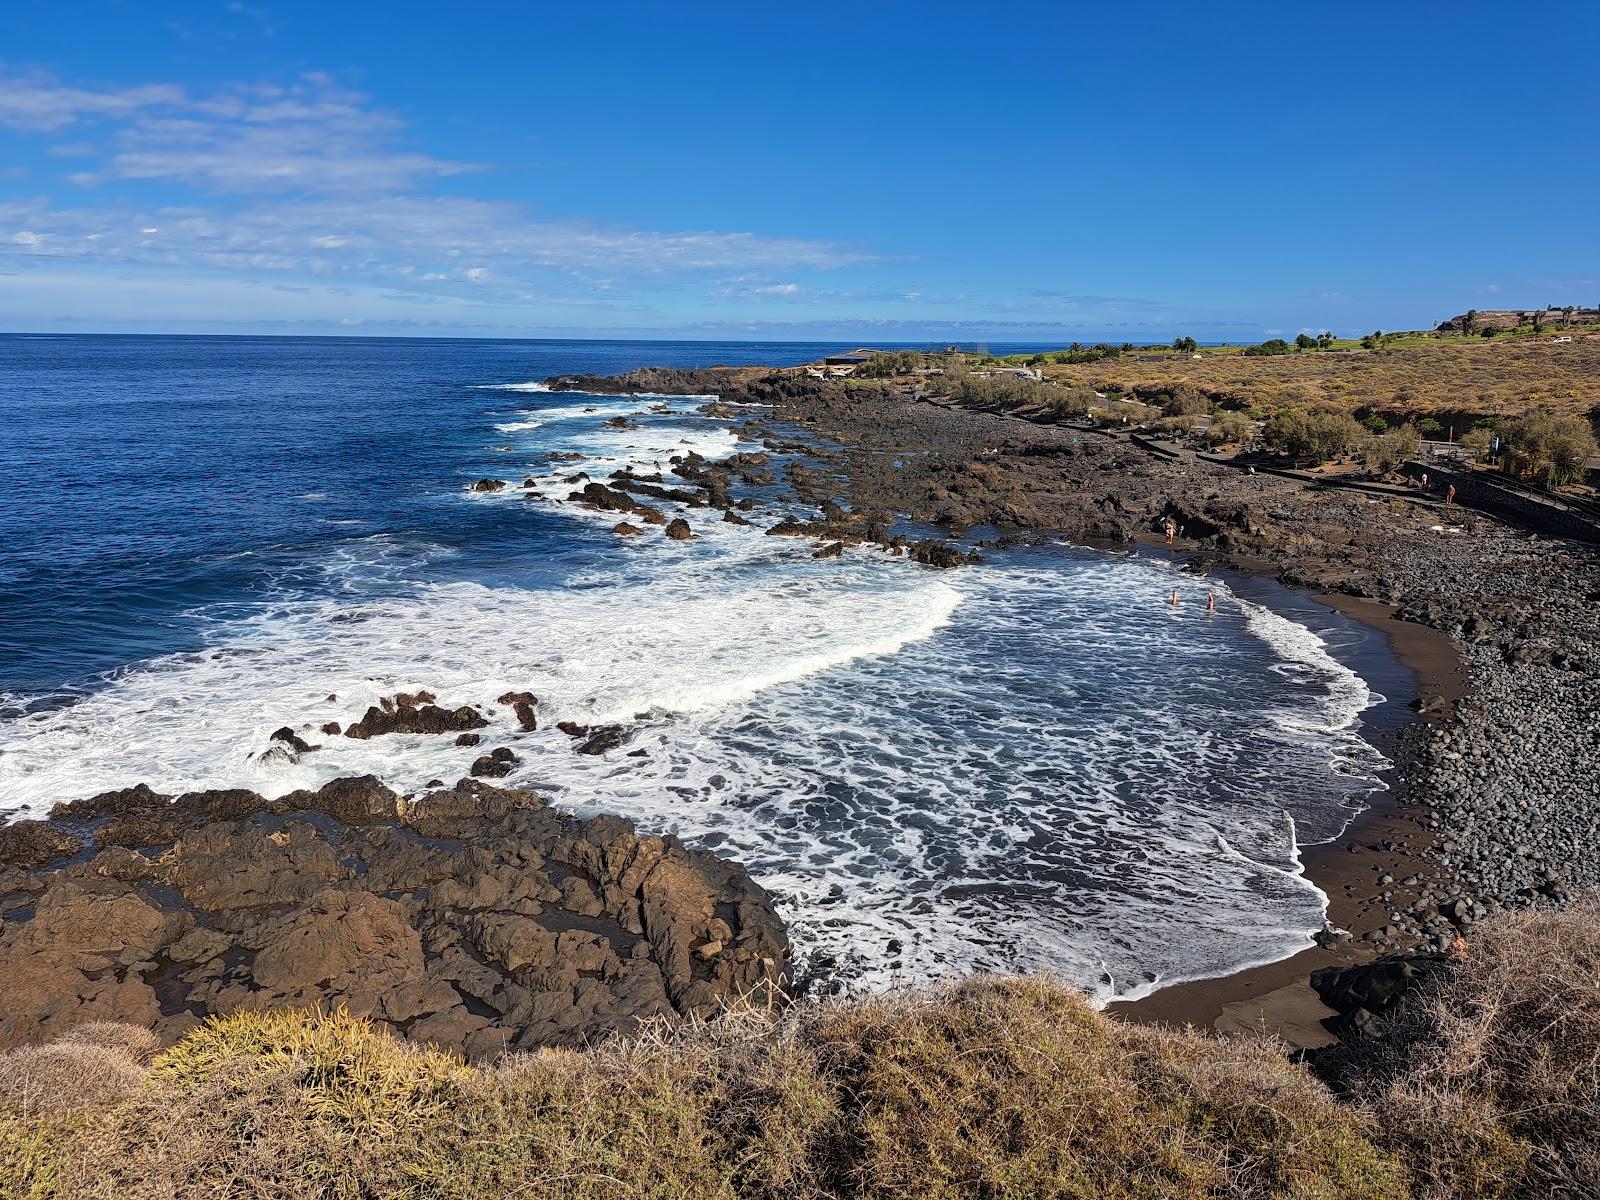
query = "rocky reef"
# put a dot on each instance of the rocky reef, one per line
(472, 918)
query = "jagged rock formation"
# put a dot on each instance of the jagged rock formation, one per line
(474, 918)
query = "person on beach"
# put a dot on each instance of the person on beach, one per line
(1424, 481)
(1450, 496)
(1170, 527)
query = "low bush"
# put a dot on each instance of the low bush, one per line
(1552, 448)
(1185, 401)
(1315, 434)
(1384, 451)
(1230, 429)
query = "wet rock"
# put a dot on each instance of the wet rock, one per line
(603, 738)
(404, 715)
(678, 530)
(489, 485)
(523, 705)
(573, 729)
(34, 843)
(290, 738)
(473, 918)
(832, 550)
(468, 739)
(496, 764)
(932, 553)
(624, 529)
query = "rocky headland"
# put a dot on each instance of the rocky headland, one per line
(472, 918)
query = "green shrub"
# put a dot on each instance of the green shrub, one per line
(1555, 449)
(1317, 434)
(1185, 401)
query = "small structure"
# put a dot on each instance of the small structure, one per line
(852, 358)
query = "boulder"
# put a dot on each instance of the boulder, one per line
(678, 530)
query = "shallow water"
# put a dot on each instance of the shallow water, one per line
(1039, 763)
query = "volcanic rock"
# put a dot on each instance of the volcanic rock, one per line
(496, 764)
(602, 738)
(474, 918)
(404, 715)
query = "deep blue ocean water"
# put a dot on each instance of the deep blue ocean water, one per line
(1035, 763)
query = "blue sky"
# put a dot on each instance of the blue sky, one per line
(873, 171)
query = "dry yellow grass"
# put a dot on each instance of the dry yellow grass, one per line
(994, 1088)
(1491, 378)
(1498, 1094)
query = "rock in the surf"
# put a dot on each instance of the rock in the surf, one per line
(496, 764)
(678, 530)
(404, 715)
(523, 705)
(602, 738)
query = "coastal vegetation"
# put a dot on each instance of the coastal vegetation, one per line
(1400, 377)
(1487, 1084)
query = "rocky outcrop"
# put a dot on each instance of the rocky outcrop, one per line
(417, 713)
(474, 918)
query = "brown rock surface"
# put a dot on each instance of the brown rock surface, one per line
(473, 917)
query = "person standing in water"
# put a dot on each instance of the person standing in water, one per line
(1211, 602)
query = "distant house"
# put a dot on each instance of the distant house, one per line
(852, 358)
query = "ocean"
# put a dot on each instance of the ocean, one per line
(1033, 764)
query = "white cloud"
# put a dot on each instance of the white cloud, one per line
(408, 238)
(39, 103)
(309, 178)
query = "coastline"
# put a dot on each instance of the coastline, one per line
(885, 468)
(1449, 592)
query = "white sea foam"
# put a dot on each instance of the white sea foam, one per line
(1040, 764)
